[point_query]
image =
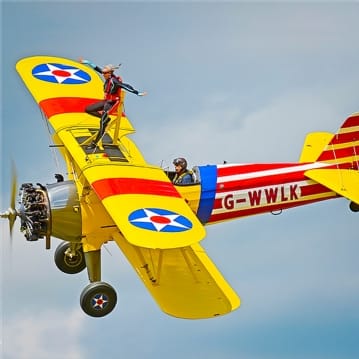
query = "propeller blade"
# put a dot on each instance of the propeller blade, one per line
(13, 185)
(13, 215)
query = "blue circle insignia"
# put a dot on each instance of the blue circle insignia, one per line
(60, 74)
(159, 220)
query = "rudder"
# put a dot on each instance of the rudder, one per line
(344, 145)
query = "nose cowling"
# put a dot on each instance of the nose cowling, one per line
(50, 210)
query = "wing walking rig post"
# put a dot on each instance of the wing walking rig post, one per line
(112, 194)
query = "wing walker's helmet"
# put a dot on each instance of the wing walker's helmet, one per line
(180, 161)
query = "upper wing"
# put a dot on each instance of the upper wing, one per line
(60, 85)
(183, 281)
(64, 87)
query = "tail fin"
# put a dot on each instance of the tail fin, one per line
(342, 147)
(342, 151)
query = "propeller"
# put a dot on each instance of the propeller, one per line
(11, 213)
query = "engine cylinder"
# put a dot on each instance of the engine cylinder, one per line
(51, 210)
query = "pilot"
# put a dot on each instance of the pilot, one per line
(112, 86)
(183, 175)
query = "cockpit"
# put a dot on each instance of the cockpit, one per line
(195, 177)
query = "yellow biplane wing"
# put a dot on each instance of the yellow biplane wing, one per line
(60, 85)
(145, 206)
(183, 281)
(63, 88)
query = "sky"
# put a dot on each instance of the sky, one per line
(237, 81)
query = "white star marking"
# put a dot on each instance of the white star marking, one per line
(158, 225)
(60, 79)
(99, 302)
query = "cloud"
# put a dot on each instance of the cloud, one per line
(44, 334)
(221, 128)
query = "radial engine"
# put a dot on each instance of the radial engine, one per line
(50, 210)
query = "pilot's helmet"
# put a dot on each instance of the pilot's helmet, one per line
(180, 161)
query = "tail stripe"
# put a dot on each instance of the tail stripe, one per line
(342, 153)
(344, 145)
(352, 121)
(345, 138)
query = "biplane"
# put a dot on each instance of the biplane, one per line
(112, 194)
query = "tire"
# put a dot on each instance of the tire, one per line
(66, 264)
(98, 299)
(354, 207)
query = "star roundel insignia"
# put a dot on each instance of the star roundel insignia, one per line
(60, 74)
(99, 301)
(159, 220)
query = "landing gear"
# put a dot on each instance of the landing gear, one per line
(69, 258)
(98, 299)
(354, 207)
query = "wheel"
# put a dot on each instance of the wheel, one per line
(98, 299)
(354, 207)
(67, 264)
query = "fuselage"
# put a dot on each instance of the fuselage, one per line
(229, 191)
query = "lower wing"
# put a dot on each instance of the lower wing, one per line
(184, 281)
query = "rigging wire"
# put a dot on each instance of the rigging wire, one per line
(51, 142)
(355, 155)
(340, 174)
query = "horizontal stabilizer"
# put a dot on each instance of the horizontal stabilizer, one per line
(183, 281)
(314, 145)
(344, 182)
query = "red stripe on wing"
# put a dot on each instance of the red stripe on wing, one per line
(59, 105)
(118, 186)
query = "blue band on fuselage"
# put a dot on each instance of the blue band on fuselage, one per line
(208, 175)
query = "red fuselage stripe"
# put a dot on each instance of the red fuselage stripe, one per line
(248, 183)
(119, 186)
(224, 216)
(251, 168)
